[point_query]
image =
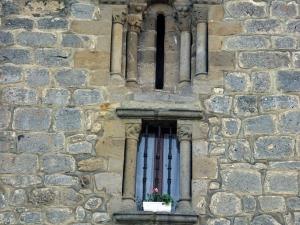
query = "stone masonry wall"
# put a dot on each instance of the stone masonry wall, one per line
(62, 144)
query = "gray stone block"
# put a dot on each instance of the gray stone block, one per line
(57, 216)
(21, 181)
(265, 220)
(16, 56)
(145, 97)
(79, 213)
(263, 26)
(242, 182)
(101, 217)
(36, 39)
(264, 124)
(274, 147)
(247, 43)
(220, 221)
(275, 102)
(289, 122)
(93, 203)
(37, 77)
(245, 105)
(7, 139)
(53, 23)
(10, 8)
(272, 203)
(284, 9)
(71, 78)
(293, 203)
(19, 96)
(111, 182)
(5, 115)
(32, 119)
(88, 97)
(3, 202)
(240, 221)
(239, 82)
(225, 204)
(293, 27)
(41, 196)
(18, 23)
(261, 82)
(10, 74)
(74, 41)
(18, 198)
(61, 180)
(239, 150)
(57, 163)
(284, 42)
(285, 165)
(82, 11)
(6, 38)
(40, 142)
(56, 97)
(31, 217)
(246, 9)
(70, 197)
(219, 104)
(68, 119)
(7, 218)
(288, 80)
(52, 57)
(296, 59)
(23, 163)
(281, 183)
(249, 204)
(231, 127)
(270, 60)
(80, 148)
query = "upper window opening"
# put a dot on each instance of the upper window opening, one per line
(160, 54)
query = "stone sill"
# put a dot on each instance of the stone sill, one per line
(141, 217)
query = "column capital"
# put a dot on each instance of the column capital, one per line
(184, 132)
(200, 12)
(182, 13)
(134, 22)
(120, 17)
(133, 130)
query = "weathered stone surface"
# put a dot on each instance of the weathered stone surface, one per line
(71, 197)
(221, 60)
(289, 120)
(275, 102)
(10, 74)
(60, 180)
(240, 220)
(9, 8)
(80, 148)
(17, 23)
(56, 97)
(245, 105)
(101, 217)
(284, 42)
(6, 38)
(243, 182)
(219, 104)
(7, 218)
(3, 201)
(88, 97)
(21, 181)
(249, 204)
(57, 216)
(295, 165)
(225, 204)
(281, 183)
(246, 9)
(218, 221)
(7, 139)
(214, 186)
(5, 115)
(247, 43)
(68, 119)
(224, 28)
(92, 27)
(261, 81)
(93, 203)
(36, 39)
(231, 127)
(82, 11)
(58, 163)
(272, 203)
(200, 148)
(31, 217)
(19, 96)
(205, 168)
(16, 56)
(18, 198)
(52, 23)
(92, 164)
(284, 9)
(110, 183)
(92, 60)
(52, 57)
(292, 26)
(265, 220)
(239, 82)
(80, 213)
(288, 80)
(296, 59)
(264, 26)
(293, 203)
(239, 150)
(70, 78)
(41, 196)
(37, 77)
(23, 163)
(264, 124)
(274, 147)
(74, 41)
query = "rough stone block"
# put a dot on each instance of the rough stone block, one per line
(247, 43)
(245, 105)
(284, 42)
(5, 115)
(80, 148)
(74, 41)
(205, 168)
(16, 56)
(281, 183)
(18, 23)
(6, 38)
(92, 27)
(52, 57)
(56, 97)
(93, 203)
(19, 96)
(264, 124)
(288, 81)
(272, 204)
(231, 127)
(296, 59)
(40, 142)
(247, 9)
(23, 163)
(61, 180)
(10, 8)
(32, 119)
(22, 181)
(242, 182)
(7, 218)
(57, 163)
(7, 139)
(37, 77)
(18, 198)
(68, 119)
(110, 183)
(10, 74)
(221, 60)
(70, 197)
(36, 39)
(219, 104)
(292, 26)
(82, 11)
(42, 196)
(3, 202)
(93, 164)
(224, 28)
(249, 204)
(31, 217)
(276, 102)
(79, 213)
(225, 204)
(88, 97)
(264, 219)
(200, 148)
(261, 82)
(220, 221)
(284, 9)
(71, 77)
(295, 165)
(92, 60)
(293, 203)
(263, 26)
(240, 221)
(289, 122)
(239, 150)
(53, 24)
(239, 82)
(57, 216)
(101, 217)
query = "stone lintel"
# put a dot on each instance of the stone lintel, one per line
(142, 217)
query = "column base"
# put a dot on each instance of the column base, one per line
(116, 79)
(184, 84)
(128, 204)
(184, 206)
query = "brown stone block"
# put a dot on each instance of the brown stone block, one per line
(147, 39)
(215, 12)
(115, 164)
(114, 128)
(221, 60)
(91, 27)
(172, 41)
(172, 57)
(103, 43)
(99, 77)
(92, 60)
(93, 164)
(171, 74)
(149, 23)
(170, 23)
(200, 130)
(205, 168)
(110, 146)
(214, 42)
(224, 28)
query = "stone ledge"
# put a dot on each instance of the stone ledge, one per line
(141, 217)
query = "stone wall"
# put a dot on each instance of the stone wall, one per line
(62, 144)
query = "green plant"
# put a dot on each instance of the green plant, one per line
(156, 197)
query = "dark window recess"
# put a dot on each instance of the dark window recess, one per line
(160, 53)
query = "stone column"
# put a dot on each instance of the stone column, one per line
(132, 134)
(184, 22)
(199, 20)
(184, 134)
(119, 19)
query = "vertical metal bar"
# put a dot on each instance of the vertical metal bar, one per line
(170, 161)
(145, 162)
(157, 158)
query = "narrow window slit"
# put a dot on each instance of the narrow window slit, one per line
(160, 52)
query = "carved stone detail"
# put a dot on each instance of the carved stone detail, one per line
(199, 14)
(137, 8)
(134, 22)
(183, 15)
(184, 132)
(119, 17)
(133, 130)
